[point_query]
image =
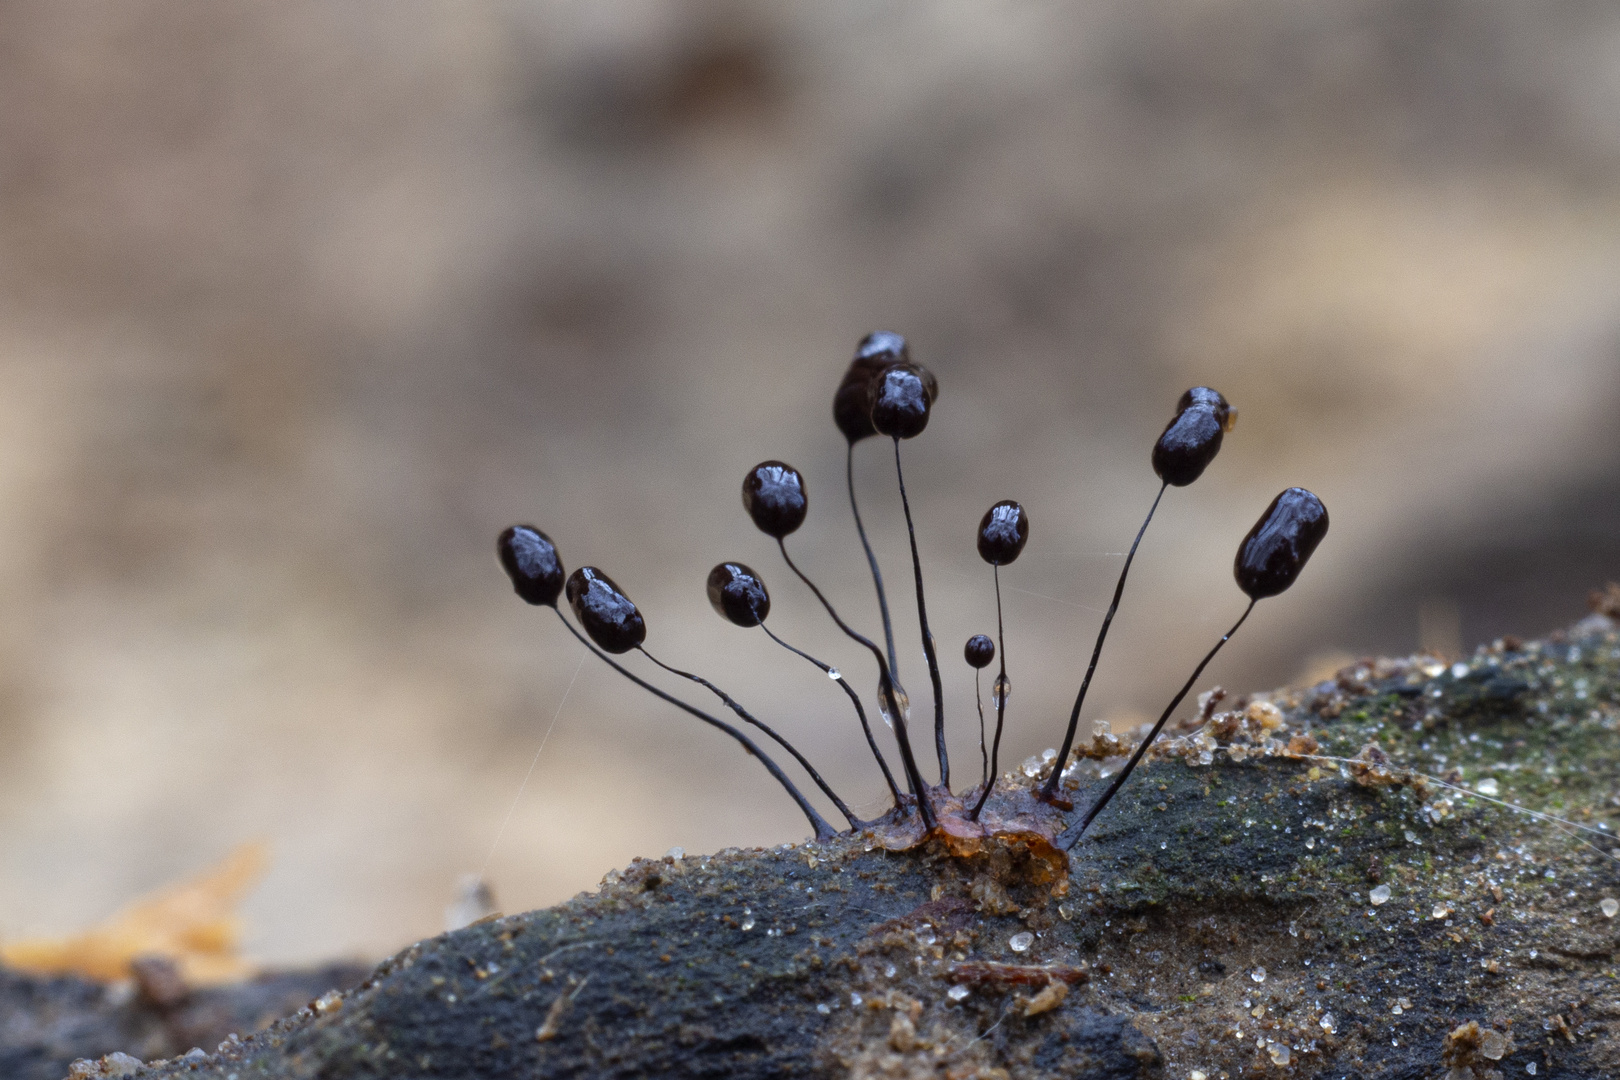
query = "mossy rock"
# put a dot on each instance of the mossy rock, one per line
(1303, 905)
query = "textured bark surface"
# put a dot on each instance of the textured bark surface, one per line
(1227, 915)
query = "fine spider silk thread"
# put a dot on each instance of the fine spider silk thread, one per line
(569, 689)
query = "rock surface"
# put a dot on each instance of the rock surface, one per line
(1297, 885)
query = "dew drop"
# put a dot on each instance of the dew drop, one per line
(900, 698)
(1001, 692)
(957, 993)
(1021, 942)
(1258, 974)
(747, 920)
(1379, 895)
(1610, 908)
(824, 1009)
(1488, 786)
(833, 674)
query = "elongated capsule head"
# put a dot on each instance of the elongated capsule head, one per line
(530, 559)
(607, 615)
(738, 594)
(1281, 542)
(1193, 438)
(774, 496)
(1003, 532)
(901, 401)
(852, 404)
(979, 651)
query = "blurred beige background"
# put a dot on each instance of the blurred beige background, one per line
(301, 303)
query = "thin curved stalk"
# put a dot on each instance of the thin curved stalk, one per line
(886, 684)
(871, 560)
(824, 830)
(860, 710)
(750, 718)
(1130, 766)
(927, 635)
(1050, 788)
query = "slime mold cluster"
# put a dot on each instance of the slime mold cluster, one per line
(885, 394)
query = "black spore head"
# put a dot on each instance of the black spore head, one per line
(979, 651)
(607, 615)
(901, 400)
(738, 594)
(1193, 438)
(1281, 542)
(530, 559)
(1003, 532)
(774, 496)
(852, 404)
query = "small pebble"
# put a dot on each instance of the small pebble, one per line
(1258, 974)
(1610, 907)
(957, 993)
(1380, 895)
(1329, 1025)
(1021, 942)
(1279, 1052)
(1488, 786)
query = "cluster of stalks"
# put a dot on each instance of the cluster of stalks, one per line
(884, 393)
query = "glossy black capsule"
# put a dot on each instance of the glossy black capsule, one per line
(530, 559)
(1003, 532)
(607, 615)
(1281, 542)
(738, 594)
(774, 496)
(979, 651)
(1193, 438)
(852, 404)
(901, 401)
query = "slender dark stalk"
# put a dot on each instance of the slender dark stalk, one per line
(978, 697)
(824, 831)
(998, 694)
(1124, 774)
(908, 760)
(927, 635)
(1050, 788)
(860, 710)
(750, 718)
(871, 560)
